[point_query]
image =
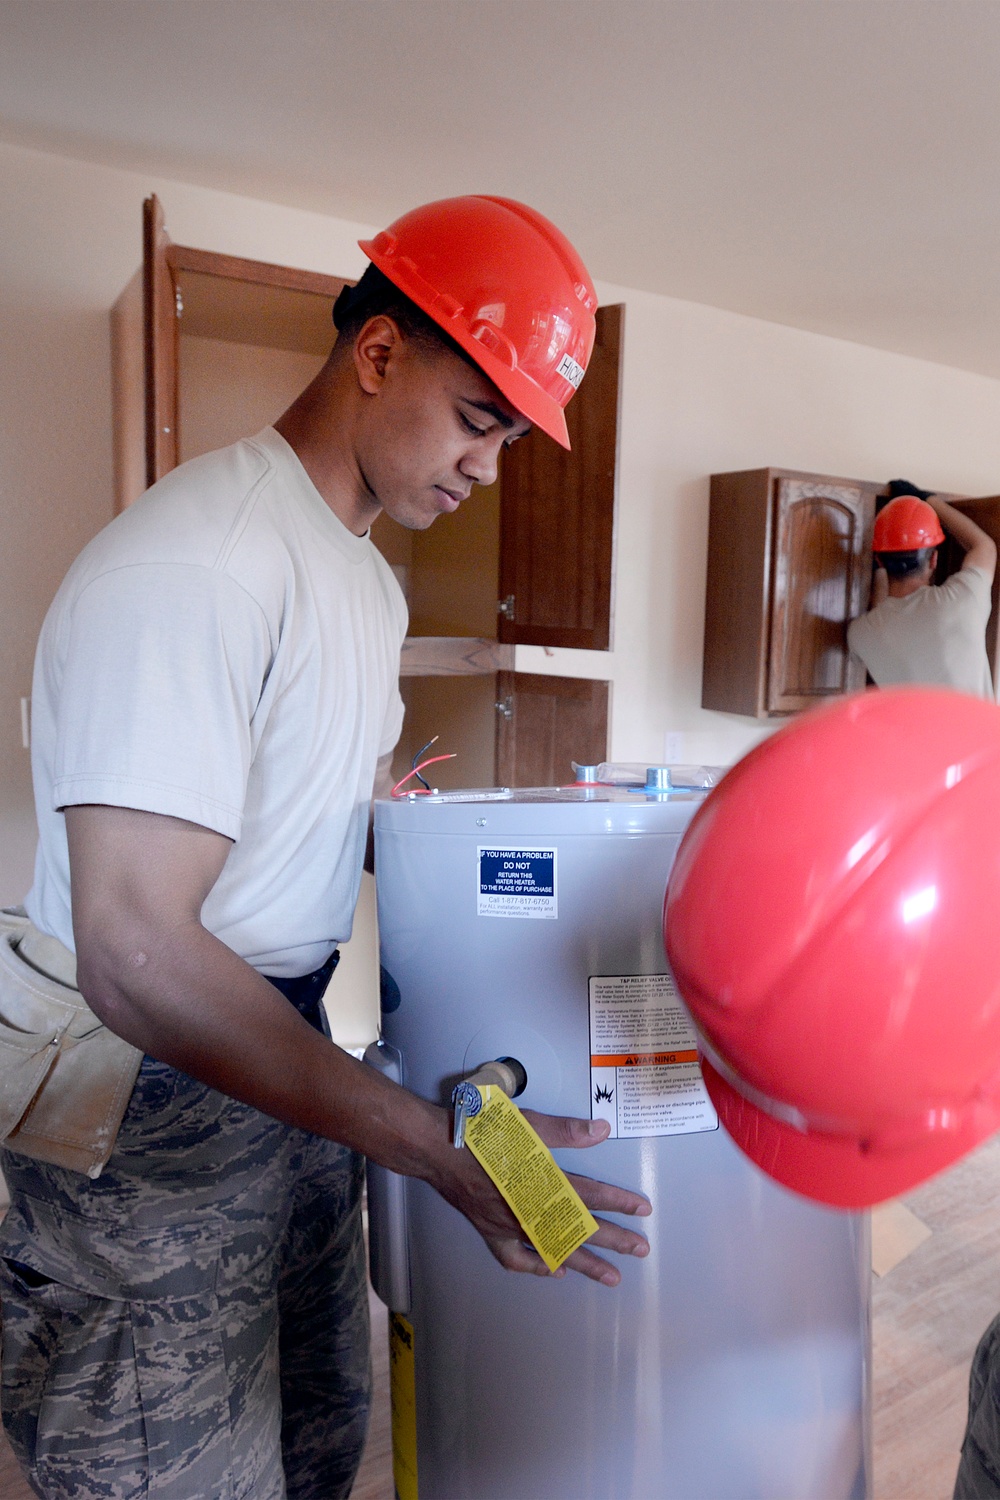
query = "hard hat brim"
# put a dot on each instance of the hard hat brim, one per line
(831, 1169)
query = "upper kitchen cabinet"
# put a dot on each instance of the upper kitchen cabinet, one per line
(789, 564)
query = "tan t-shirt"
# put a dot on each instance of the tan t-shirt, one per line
(936, 635)
(228, 653)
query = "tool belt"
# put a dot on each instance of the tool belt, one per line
(65, 1079)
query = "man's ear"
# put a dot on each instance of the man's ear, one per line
(376, 346)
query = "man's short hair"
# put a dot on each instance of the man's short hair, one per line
(375, 294)
(905, 564)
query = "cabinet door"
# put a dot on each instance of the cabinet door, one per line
(822, 561)
(223, 297)
(558, 514)
(545, 723)
(159, 293)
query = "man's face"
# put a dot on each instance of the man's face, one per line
(435, 429)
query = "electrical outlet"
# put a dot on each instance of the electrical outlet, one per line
(26, 723)
(673, 748)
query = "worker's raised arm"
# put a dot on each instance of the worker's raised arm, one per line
(980, 549)
(150, 970)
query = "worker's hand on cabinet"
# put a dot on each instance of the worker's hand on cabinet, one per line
(466, 1186)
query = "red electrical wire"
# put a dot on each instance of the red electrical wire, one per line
(424, 791)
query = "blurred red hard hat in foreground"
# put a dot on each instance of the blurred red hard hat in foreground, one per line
(833, 925)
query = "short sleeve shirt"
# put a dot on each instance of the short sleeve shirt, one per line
(226, 652)
(936, 635)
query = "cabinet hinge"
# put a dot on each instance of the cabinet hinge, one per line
(505, 707)
(178, 301)
(505, 607)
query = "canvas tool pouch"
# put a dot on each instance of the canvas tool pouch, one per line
(65, 1079)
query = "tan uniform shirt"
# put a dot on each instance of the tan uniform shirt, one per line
(935, 635)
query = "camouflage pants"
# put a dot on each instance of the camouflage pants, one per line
(193, 1325)
(979, 1470)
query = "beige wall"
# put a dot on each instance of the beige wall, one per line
(704, 390)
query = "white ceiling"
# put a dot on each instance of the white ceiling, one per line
(831, 164)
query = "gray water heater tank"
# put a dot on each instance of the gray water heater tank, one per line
(733, 1363)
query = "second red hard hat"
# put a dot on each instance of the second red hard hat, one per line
(508, 287)
(832, 924)
(907, 524)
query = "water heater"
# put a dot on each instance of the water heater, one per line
(733, 1361)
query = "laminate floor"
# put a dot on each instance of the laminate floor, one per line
(929, 1311)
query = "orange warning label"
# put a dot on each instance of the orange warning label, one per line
(636, 1059)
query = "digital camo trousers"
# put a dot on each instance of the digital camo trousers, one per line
(193, 1325)
(979, 1469)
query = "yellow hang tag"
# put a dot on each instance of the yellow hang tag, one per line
(546, 1205)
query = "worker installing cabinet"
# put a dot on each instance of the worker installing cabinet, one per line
(789, 566)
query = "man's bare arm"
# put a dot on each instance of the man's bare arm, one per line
(980, 549)
(156, 976)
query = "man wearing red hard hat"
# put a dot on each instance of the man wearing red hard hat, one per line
(914, 631)
(216, 695)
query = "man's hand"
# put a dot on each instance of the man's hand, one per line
(461, 1180)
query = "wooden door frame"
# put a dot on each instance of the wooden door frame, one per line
(162, 261)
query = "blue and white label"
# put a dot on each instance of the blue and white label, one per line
(517, 883)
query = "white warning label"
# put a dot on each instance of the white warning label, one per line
(645, 1078)
(517, 883)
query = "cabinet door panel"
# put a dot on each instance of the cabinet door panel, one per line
(557, 514)
(160, 330)
(738, 592)
(545, 723)
(822, 544)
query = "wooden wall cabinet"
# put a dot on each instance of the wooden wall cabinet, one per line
(789, 564)
(207, 348)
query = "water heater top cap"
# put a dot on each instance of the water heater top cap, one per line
(833, 924)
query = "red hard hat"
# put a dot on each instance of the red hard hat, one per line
(832, 923)
(906, 525)
(508, 287)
